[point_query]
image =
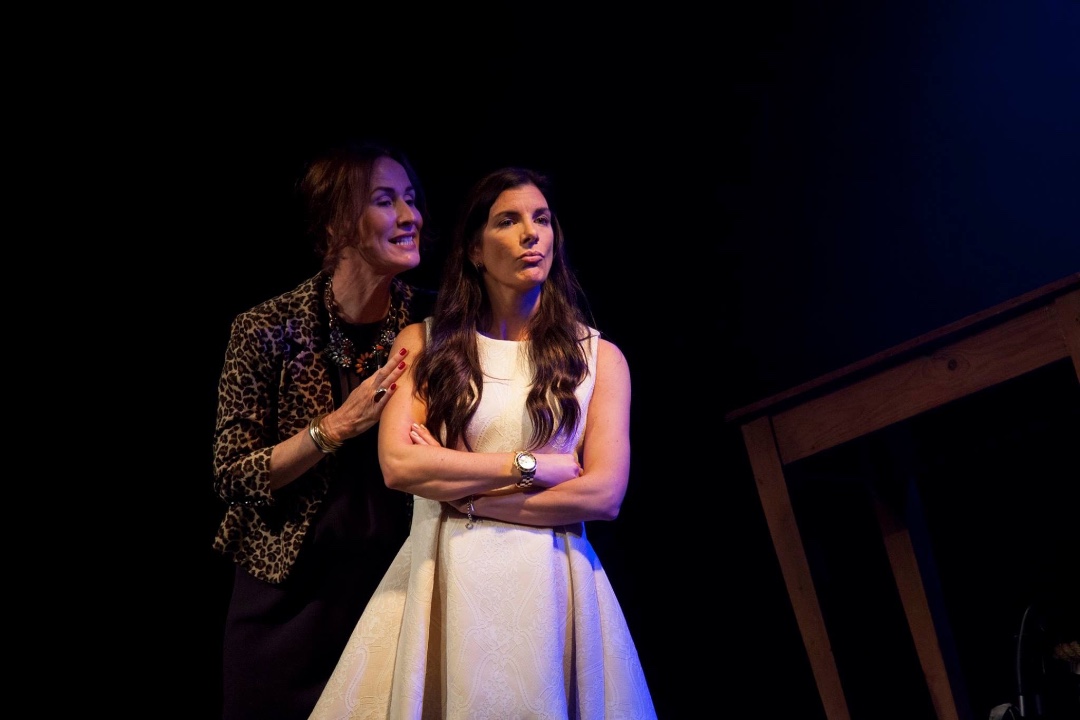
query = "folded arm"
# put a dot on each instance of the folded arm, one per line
(563, 492)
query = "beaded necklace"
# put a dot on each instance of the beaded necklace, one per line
(341, 349)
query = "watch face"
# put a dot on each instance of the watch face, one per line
(526, 462)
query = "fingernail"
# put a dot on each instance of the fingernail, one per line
(401, 366)
(394, 386)
(403, 351)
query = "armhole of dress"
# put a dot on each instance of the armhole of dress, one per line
(594, 349)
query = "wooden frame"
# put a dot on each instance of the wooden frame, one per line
(978, 352)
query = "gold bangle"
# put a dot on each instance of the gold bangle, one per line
(322, 440)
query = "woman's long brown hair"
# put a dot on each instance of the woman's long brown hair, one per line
(447, 372)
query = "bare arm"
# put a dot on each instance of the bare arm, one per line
(437, 473)
(598, 493)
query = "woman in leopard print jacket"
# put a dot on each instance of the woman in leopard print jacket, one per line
(309, 522)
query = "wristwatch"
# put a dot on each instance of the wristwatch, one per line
(525, 463)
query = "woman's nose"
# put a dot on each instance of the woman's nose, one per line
(530, 234)
(407, 213)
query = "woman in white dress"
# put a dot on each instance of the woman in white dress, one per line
(511, 432)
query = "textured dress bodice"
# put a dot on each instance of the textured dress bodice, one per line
(501, 423)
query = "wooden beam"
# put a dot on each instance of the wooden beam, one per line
(1067, 311)
(909, 583)
(1000, 353)
(772, 488)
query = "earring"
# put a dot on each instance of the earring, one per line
(479, 267)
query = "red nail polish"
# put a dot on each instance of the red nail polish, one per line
(401, 366)
(403, 351)
(394, 386)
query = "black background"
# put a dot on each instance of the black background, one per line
(752, 198)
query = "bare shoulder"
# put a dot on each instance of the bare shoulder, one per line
(610, 358)
(413, 332)
(412, 336)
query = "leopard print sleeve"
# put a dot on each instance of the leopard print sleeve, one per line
(245, 431)
(271, 385)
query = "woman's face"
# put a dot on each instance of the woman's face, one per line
(518, 241)
(390, 224)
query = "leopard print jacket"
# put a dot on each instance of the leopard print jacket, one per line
(273, 382)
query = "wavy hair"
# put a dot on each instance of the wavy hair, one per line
(447, 372)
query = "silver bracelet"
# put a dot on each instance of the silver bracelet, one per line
(471, 509)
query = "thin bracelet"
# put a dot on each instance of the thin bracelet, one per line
(471, 510)
(322, 441)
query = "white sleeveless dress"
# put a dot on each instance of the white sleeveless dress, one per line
(498, 621)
